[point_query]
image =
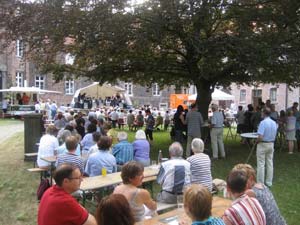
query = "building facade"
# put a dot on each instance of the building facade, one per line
(17, 70)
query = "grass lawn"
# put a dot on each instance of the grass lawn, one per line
(4, 122)
(18, 187)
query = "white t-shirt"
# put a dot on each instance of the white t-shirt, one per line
(48, 144)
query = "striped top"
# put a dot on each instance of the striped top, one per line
(70, 158)
(201, 170)
(174, 175)
(209, 221)
(123, 152)
(245, 211)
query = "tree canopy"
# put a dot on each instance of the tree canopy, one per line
(207, 43)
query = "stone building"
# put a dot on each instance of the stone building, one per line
(17, 70)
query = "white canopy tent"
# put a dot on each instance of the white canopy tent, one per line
(106, 90)
(97, 91)
(216, 95)
(28, 90)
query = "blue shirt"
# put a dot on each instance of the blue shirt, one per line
(123, 151)
(98, 160)
(297, 115)
(267, 129)
(217, 119)
(87, 141)
(210, 221)
(141, 149)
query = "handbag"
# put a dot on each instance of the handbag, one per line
(44, 185)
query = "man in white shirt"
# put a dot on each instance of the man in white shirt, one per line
(174, 175)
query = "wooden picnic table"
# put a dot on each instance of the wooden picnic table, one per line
(97, 182)
(51, 160)
(219, 205)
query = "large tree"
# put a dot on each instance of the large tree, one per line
(207, 43)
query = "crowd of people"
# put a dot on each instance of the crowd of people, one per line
(85, 145)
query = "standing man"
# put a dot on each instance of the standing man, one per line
(58, 206)
(194, 123)
(4, 106)
(216, 132)
(150, 122)
(114, 118)
(265, 148)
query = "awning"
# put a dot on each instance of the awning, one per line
(216, 95)
(29, 90)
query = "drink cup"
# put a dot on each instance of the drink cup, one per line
(103, 171)
(180, 201)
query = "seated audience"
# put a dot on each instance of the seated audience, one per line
(197, 201)
(174, 175)
(80, 126)
(101, 159)
(62, 148)
(123, 151)
(60, 121)
(87, 141)
(244, 210)
(200, 165)
(139, 199)
(94, 148)
(71, 157)
(57, 206)
(48, 144)
(114, 210)
(141, 148)
(263, 195)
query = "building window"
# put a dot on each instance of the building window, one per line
(20, 48)
(20, 79)
(243, 95)
(128, 88)
(69, 87)
(257, 93)
(40, 81)
(273, 95)
(155, 90)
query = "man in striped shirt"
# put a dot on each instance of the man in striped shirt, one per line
(70, 157)
(244, 210)
(123, 151)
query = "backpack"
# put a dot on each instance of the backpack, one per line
(44, 185)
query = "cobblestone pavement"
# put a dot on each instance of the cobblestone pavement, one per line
(9, 130)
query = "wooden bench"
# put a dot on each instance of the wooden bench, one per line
(163, 207)
(31, 156)
(148, 183)
(38, 170)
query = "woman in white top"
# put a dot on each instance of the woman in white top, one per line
(139, 199)
(48, 144)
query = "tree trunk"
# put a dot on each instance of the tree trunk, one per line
(204, 91)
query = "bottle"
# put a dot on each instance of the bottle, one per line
(160, 156)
